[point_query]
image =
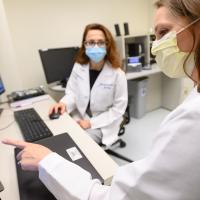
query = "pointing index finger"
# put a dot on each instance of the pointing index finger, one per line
(17, 143)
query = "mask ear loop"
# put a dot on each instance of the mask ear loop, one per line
(187, 26)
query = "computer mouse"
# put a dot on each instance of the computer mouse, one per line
(55, 115)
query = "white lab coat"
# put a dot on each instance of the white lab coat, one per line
(171, 171)
(108, 99)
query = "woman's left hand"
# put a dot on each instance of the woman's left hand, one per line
(85, 124)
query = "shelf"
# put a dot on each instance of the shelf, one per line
(57, 88)
(133, 75)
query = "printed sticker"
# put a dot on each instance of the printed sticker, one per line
(74, 153)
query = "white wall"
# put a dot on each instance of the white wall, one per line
(8, 66)
(36, 24)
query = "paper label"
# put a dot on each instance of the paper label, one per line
(74, 153)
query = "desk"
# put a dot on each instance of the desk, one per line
(129, 76)
(64, 124)
(160, 89)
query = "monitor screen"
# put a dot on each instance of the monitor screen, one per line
(58, 63)
(2, 89)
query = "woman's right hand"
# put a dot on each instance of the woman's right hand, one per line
(30, 155)
(59, 106)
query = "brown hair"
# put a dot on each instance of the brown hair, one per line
(190, 9)
(112, 54)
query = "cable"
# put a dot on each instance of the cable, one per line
(1, 129)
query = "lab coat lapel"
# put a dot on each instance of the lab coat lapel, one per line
(87, 80)
(84, 88)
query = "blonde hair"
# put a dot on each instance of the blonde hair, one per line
(190, 9)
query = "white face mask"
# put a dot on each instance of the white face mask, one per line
(169, 57)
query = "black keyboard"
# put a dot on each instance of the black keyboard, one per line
(32, 126)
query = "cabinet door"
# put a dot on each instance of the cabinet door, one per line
(171, 92)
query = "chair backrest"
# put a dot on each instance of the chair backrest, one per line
(119, 143)
(126, 120)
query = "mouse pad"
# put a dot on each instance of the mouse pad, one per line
(30, 186)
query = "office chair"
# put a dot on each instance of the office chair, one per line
(119, 143)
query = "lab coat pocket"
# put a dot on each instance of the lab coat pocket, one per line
(104, 96)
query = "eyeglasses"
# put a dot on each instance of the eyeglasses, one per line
(92, 43)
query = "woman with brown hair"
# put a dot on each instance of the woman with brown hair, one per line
(96, 93)
(171, 170)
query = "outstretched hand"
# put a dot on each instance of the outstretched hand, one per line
(30, 154)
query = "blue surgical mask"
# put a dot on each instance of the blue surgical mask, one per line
(96, 54)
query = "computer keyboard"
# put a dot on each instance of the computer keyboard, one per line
(32, 126)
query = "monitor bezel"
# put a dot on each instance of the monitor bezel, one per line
(63, 80)
(1, 82)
